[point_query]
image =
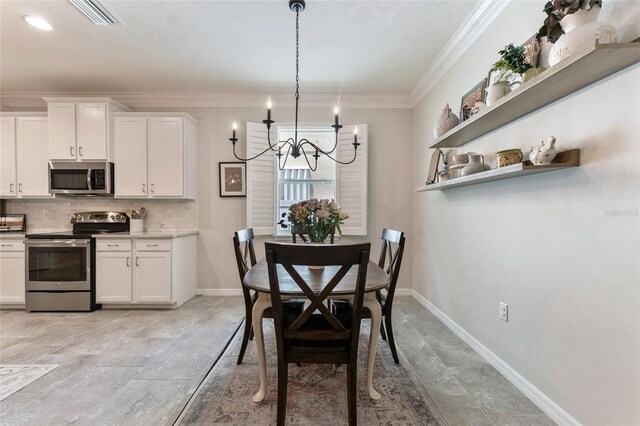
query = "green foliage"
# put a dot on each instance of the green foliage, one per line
(514, 59)
(558, 9)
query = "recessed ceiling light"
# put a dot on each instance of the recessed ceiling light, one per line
(39, 23)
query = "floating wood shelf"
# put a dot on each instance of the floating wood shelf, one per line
(591, 64)
(563, 160)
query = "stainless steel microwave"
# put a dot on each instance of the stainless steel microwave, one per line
(81, 178)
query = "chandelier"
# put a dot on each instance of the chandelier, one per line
(295, 147)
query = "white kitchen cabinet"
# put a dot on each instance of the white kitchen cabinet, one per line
(79, 128)
(8, 178)
(154, 155)
(145, 271)
(12, 272)
(152, 277)
(113, 277)
(24, 156)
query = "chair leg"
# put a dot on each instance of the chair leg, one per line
(392, 343)
(352, 375)
(382, 333)
(251, 334)
(245, 338)
(283, 372)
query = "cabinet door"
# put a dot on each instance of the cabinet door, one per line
(130, 156)
(62, 130)
(152, 277)
(166, 157)
(8, 183)
(32, 142)
(12, 277)
(92, 131)
(113, 277)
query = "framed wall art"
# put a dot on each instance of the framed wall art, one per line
(233, 179)
(470, 98)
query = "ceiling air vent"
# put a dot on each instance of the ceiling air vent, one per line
(96, 12)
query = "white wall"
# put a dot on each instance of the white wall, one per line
(562, 248)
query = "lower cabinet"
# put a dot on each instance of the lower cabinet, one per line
(145, 271)
(12, 272)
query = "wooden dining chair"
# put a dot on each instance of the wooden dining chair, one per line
(316, 335)
(390, 261)
(303, 234)
(246, 258)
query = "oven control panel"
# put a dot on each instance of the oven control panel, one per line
(99, 217)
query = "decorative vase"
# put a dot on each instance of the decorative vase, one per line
(475, 165)
(580, 29)
(494, 92)
(136, 226)
(446, 121)
(312, 267)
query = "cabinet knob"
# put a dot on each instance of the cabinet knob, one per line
(153, 188)
(71, 151)
(137, 259)
(80, 151)
(113, 245)
(19, 187)
(12, 187)
(128, 261)
(152, 245)
(6, 245)
(144, 188)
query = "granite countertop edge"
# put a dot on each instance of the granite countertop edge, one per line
(147, 234)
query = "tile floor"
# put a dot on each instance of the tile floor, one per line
(141, 366)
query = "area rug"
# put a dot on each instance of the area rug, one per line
(317, 393)
(15, 377)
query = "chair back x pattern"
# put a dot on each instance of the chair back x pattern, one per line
(392, 249)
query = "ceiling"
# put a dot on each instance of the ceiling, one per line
(226, 46)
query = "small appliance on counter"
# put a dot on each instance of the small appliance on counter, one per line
(60, 266)
(14, 223)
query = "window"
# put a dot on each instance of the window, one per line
(297, 182)
(271, 191)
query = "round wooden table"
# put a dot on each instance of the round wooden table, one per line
(257, 278)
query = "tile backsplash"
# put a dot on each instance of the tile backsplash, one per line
(52, 214)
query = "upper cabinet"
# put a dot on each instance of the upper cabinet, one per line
(154, 155)
(24, 156)
(79, 128)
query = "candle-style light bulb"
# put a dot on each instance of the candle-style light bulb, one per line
(234, 126)
(269, 109)
(355, 135)
(336, 110)
(355, 131)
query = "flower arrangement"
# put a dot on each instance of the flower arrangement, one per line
(320, 218)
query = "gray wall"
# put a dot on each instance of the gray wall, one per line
(551, 245)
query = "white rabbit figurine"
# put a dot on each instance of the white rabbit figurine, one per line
(544, 153)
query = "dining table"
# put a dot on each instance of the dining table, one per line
(257, 278)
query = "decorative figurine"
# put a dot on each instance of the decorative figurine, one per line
(446, 121)
(544, 153)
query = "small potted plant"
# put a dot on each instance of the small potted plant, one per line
(513, 62)
(556, 10)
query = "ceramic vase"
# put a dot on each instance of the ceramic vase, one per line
(475, 165)
(446, 121)
(581, 28)
(494, 92)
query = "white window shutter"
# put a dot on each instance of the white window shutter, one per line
(261, 199)
(352, 180)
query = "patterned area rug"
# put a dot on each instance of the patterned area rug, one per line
(15, 377)
(317, 393)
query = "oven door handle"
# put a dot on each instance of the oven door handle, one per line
(74, 243)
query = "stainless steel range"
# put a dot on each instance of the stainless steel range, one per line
(60, 267)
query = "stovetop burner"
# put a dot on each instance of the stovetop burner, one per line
(86, 224)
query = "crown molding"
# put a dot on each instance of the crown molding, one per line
(478, 20)
(22, 100)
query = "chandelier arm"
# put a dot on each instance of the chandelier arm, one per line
(316, 147)
(344, 163)
(248, 159)
(286, 157)
(307, 158)
(272, 147)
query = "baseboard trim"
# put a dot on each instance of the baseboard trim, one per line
(550, 408)
(218, 292)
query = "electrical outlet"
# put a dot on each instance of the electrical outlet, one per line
(503, 312)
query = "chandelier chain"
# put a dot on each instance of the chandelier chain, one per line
(297, 54)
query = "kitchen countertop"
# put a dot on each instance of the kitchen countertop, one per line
(12, 236)
(148, 234)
